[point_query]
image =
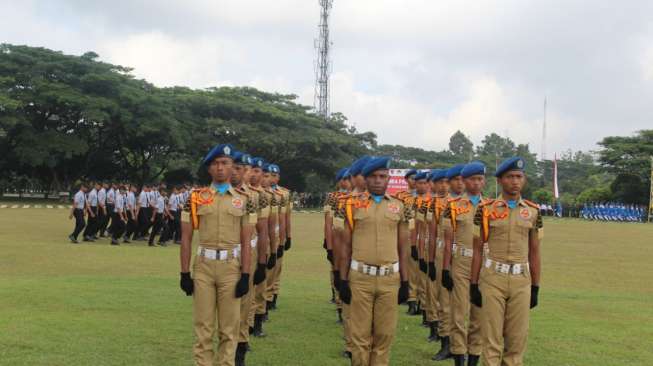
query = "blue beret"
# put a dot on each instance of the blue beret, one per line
(358, 165)
(455, 170)
(437, 174)
(473, 168)
(266, 167)
(342, 174)
(421, 175)
(410, 172)
(374, 164)
(242, 158)
(514, 163)
(274, 168)
(218, 151)
(258, 162)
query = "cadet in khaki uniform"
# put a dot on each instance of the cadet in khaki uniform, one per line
(285, 208)
(266, 202)
(224, 218)
(435, 175)
(456, 188)
(375, 280)
(273, 233)
(422, 202)
(240, 175)
(458, 250)
(359, 187)
(509, 275)
(409, 199)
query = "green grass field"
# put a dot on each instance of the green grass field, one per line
(94, 304)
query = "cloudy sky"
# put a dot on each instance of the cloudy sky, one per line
(413, 71)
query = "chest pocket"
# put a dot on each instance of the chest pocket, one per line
(499, 229)
(204, 210)
(392, 217)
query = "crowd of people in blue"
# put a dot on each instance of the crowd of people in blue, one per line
(613, 211)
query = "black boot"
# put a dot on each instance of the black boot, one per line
(273, 305)
(434, 336)
(339, 321)
(333, 296)
(444, 352)
(251, 330)
(425, 324)
(472, 360)
(241, 349)
(412, 308)
(258, 326)
(459, 360)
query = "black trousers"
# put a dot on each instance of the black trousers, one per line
(172, 227)
(158, 224)
(131, 224)
(79, 222)
(177, 224)
(144, 223)
(92, 224)
(107, 218)
(100, 219)
(117, 226)
(110, 219)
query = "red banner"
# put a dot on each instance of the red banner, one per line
(397, 181)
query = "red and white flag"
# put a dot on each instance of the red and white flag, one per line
(555, 177)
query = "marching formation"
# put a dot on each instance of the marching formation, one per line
(114, 210)
(469, 265)
(243, 219)
(611, 211)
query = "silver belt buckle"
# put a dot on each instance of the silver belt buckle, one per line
(373, 270)
(223, 255)
(384, 271)
(516, 269)
(503, 268)
(439, 243)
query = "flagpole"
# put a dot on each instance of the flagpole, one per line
(650, 198)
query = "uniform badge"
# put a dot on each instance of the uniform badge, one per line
(237, 202)
(525, 213)
(394, 208)
(227, 150)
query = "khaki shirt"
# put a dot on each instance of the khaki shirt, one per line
(460, 212)
(262, 200)
(376, 227)
(437, 209)
(509, 229)
(219, 218)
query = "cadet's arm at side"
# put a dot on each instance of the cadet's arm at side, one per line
(448, 248)
(402, 249)
(534, 256)
(272, 223)
(263, 239)
(433, 227)
(477, 257)
(345, 251)
(421, 229)
(186, 244)
(245, 247)
(328, 233)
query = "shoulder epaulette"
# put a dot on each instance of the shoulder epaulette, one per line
(453, 199)
(255, 189)
(241, 191)
(532, 204)
(486, 202)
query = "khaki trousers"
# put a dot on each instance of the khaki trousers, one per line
(505, 314)
(465, 339)
(276, 285)
(346, 326)
(373, 317)
(432, 295)
(215, 293)
(413, 269)
(247, 303)
(444, 299)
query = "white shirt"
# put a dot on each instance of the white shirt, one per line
(80, 200)
(102, 196)
(131, 200)
(173, 202)
(92, 198)
(151, 198)
(119, 203)
(142, 199)
(111, 196)
(160, 204)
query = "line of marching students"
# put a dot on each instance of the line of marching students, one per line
(123, 213)
(467, 264)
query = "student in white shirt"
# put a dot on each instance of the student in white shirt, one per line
(77, 211)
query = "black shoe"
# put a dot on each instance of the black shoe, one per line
(102, 235)
(444, 352)
(86, 238)
(346, 354)
(472, 360)
(251, 330)
(72, 239)
(333, 296)
(459, 360)
(94, 237)
(258, 326)
(339, 321)
(434, 336)
(126, 240)
(425, 324)
(151, 245)
(114, 242)
(178, 242)
(163, 243)
(241, 349)
(273, 305)
(412, 308)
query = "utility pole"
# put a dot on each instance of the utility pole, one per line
(321, 102)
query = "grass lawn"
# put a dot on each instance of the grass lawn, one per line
(95, 304)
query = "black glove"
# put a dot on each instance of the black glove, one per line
(475, 295)
(336, 279)
(330, 255)
(280, 251)
(413, 252)
(324, 244)
(422, 266)
(447, 281)
(243, 285)
(272, 261)
(288, 243)
(403, 292)
(259, 274)
(534, 292)
(186, 283)
(432, 271)
(345, 292)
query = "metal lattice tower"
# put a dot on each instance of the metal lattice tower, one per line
(543, 156)
(323, 63)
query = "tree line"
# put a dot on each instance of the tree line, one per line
(67, 118)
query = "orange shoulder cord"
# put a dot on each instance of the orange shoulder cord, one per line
(453, 209)
(350, 213)
(193, 210)
(486, 224)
